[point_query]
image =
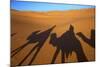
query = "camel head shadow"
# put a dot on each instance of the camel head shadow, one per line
(90, 41)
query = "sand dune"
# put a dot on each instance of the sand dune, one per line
(51, 16)
(26, 22)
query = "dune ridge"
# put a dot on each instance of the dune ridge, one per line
(51, 16)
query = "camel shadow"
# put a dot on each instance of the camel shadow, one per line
(33, 38)
(90, 41)
(67, 43)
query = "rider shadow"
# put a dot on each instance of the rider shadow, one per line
(90, 41)
(67, 43)
(33, 38)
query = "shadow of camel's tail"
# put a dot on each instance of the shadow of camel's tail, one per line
(13, 34)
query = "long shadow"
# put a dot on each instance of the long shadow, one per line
(90, 41)
(66, 44)
(42, 37)
(33, 38)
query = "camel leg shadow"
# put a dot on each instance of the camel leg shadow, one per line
(14, 52)
(55, 56)
(81, 55)
(28, 55)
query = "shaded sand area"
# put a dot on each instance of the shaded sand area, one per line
(25, 22)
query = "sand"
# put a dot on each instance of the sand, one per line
(25, 22)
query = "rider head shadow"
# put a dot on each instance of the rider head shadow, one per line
(91, 40)
(67, 43)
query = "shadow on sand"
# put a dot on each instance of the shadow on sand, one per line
(67, 43)
(33, 38)
(90, 41)
(13, 34)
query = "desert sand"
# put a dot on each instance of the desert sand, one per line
(23, 23)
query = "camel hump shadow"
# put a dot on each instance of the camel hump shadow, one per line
(67, 43)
